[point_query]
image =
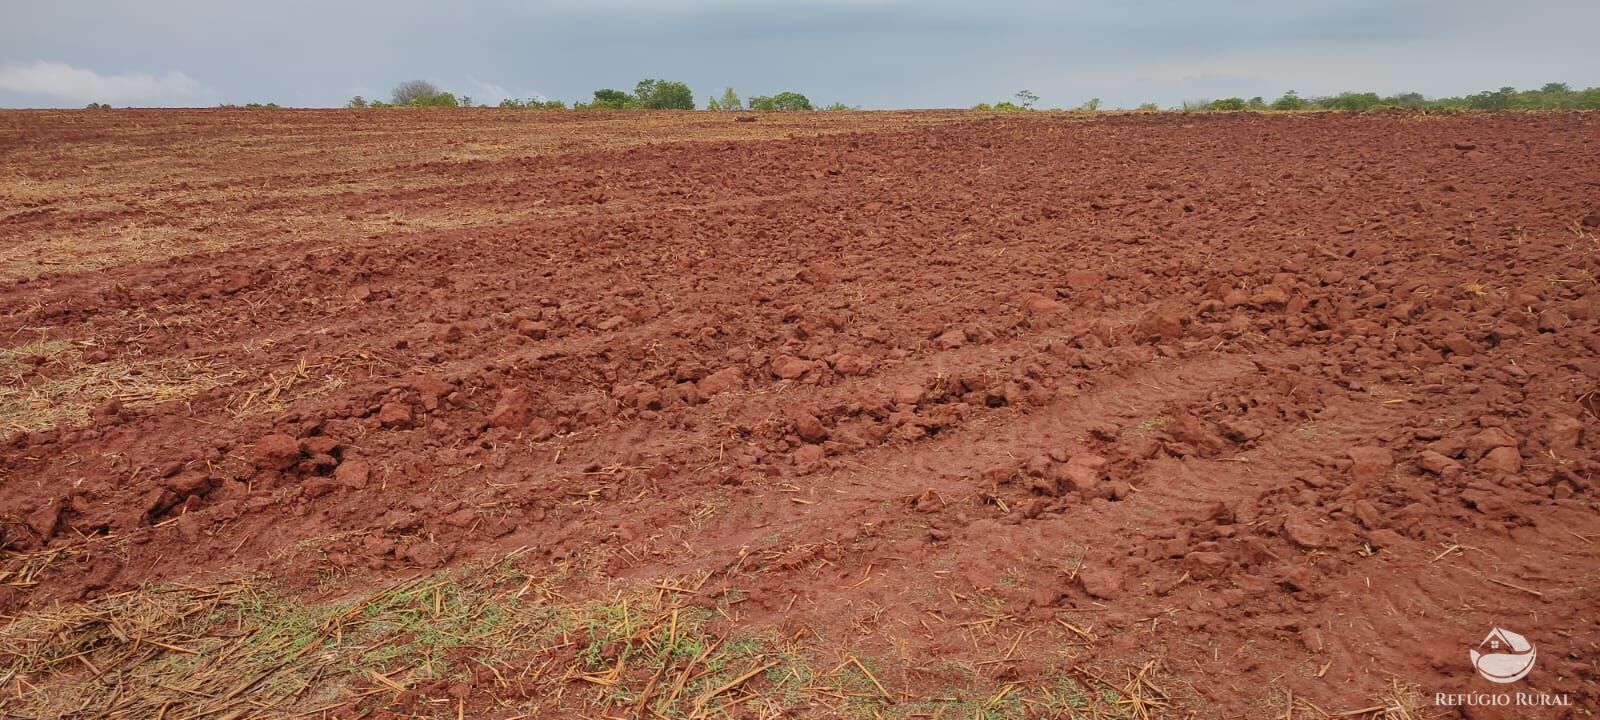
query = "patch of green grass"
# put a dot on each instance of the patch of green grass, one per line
(281, 628)
(423, 623)
(1064, 696)
(639, 648)
(962, 670)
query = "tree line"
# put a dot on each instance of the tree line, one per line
(648, 94)
(1552, 96)
(656, 94)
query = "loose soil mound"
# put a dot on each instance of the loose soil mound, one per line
(1025, 416)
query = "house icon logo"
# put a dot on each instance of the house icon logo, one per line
(1503, 656)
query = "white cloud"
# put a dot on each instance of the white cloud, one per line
(488, 93)
(80, 85)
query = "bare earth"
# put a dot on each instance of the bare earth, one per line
(514, 414)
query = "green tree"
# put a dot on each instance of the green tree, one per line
(1407, 100)
(1501, 99)
(1026, 98)
(663, 95)
(1092, 105)
(792, 101)
(420, 93)
(414, 92)
(607, 99)
(782, 101)
(356, 102)
(728, 101)
(1290, 101)
(1232, 103)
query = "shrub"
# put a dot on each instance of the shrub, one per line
(97, 106)
(1503, 99)
(1351, 101)
(1226, 104)
(1289, 101)
(781, 101)
(421, 93)
(532, 104)
(443, 99)
(1409, 101)
(728, 101)
(606, 99)
(413, 92)
(1005, 105)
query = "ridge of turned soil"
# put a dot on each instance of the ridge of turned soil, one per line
(1267, 393)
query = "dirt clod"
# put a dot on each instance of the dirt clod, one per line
(514, 409)
(396, 416)
(275, 452)
(721, 381)
(1100, 582)
(1370, 463)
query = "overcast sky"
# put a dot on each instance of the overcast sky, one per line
(868, 53)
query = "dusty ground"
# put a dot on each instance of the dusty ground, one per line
(520, 414)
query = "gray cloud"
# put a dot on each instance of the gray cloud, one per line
(57, 81)
(873, 53)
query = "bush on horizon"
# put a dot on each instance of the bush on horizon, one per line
(782, 101)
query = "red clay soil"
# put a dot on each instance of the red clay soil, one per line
(1307, 403)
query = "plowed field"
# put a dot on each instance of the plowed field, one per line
(523, 414)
